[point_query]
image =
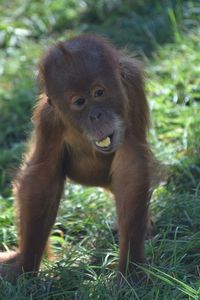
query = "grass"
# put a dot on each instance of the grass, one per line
(83, 238)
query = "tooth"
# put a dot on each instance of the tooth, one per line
(104, 143)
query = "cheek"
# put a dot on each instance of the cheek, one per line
(120, 100)
(68, 117)
(119, 126)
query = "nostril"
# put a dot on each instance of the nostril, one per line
(98, 115)
(95, 116)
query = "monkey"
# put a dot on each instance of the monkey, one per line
(90, 126)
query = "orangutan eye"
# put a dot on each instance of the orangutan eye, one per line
(99, 93)
(79, 102)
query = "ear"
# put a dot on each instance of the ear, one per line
(49, 101)
(133, 81)
(42, 87)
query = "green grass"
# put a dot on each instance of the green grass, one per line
(84, 238)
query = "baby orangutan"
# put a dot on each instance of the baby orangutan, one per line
(90, 126)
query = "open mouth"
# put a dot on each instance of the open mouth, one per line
(105, 144)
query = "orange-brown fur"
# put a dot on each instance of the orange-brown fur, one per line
(62, 147)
